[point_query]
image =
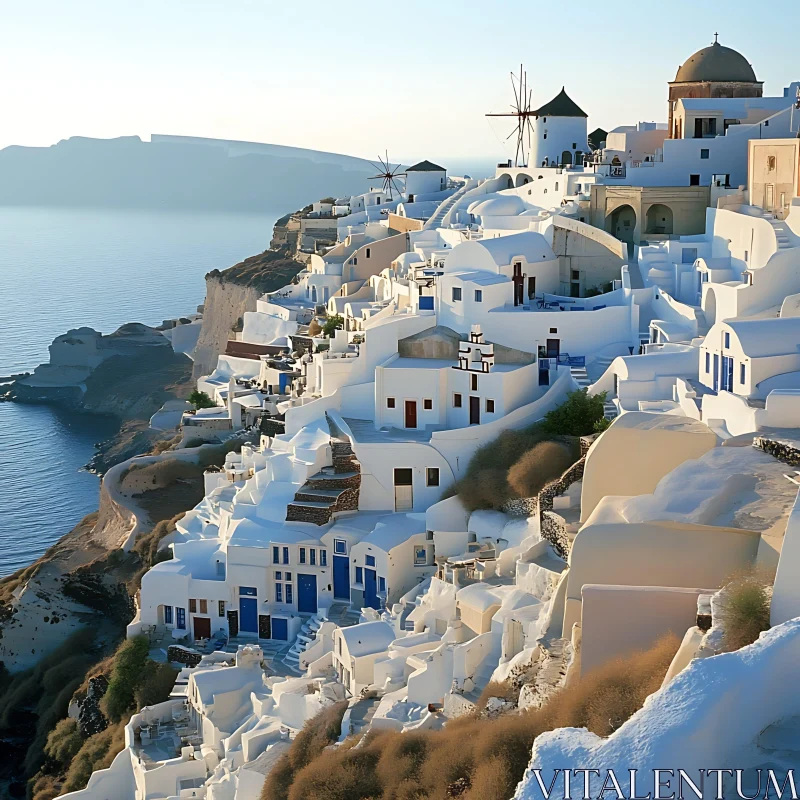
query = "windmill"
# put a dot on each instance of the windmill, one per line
(522, 111)
(387, 174)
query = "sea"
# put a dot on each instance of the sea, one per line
(65, 268)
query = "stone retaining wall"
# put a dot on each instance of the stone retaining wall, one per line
(554, 531)
(783, 451)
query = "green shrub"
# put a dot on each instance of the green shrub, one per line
(332, 324)
(577, 415)
(745, 610)
(129, 662)
(155, 684)
(200, 400)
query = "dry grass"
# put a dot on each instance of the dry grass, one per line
(478, 758)
(538, 466)
(745, 610)
(317, 734)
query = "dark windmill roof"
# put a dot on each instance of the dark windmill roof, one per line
(562, 105)
(426, 166)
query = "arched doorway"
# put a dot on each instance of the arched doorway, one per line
(659, 219)
(622, 223)
(566, 158)
(522, 179)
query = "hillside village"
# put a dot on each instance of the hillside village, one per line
(650, 273)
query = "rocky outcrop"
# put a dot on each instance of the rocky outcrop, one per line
(90, 718)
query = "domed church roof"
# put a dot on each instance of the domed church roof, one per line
(716, 63)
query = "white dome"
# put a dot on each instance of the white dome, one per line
(498, 205)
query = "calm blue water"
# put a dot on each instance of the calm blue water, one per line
(61, 269)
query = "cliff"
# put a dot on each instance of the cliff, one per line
(232, 292)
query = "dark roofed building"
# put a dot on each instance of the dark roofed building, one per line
(562, 105)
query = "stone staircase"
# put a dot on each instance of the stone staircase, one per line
(332, 489)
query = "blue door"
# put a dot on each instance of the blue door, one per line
(727, 374)
(280, 629)
(248, 614)
(341, 577)
(306, 593)
(371, 589)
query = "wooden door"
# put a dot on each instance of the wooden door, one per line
(411, 413)
(202, 628)
(403, 489)
(474, 410)
(264, 626)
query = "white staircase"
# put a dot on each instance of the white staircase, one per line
(305, 637)
(784, 237)
(581, 377)
(610, 410)
(444, 207)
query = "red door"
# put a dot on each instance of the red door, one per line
(411, 413)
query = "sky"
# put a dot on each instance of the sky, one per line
(356, 77)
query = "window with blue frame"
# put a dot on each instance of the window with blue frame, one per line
(181, 614)
(727, 340)
(420, 556)
(370, 560)
(340, 547)
(302, 555)
(278, 592)
(168, 615)
(359, 575)
(708, 362)
(288, 592)
(285, 555)
(276, 555)
(312, 556)
(278, 576)
(323, 558)
(381, 584)
(741, 373)
(288, 575)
